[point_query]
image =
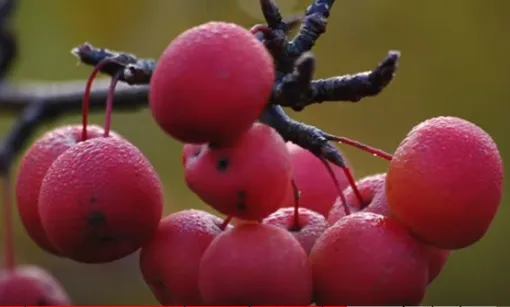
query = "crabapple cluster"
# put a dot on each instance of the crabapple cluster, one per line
(71, 197)
(440, 193)
(288, 236)
(296, 230)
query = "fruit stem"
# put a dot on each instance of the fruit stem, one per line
(7, 221)
(109, 103)
(226, 221)
(296, 205)
(260, 28)
(371, 150)
(86, 96)
(347, 211)
(354, 187)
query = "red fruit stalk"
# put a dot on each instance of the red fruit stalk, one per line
(109, 103)
(373, 195)
(317, 190)
(86, 96)
(305, 225)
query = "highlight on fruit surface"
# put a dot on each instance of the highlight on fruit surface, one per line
(100, 200)
(368, 259)
(246, 179)
(31, 286)
(258, 264)
(317, 190)
(445, 182)
(307, 227)
(170, 261)
(33, 167)
(211, 83)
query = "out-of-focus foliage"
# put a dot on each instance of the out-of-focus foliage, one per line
(455, 61)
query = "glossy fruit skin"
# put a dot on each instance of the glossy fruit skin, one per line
(311, 225)
(31, 286)
(211, 83)
(246, 179)
(437, 259)
(33, 167)
(452, 171)
(373, 193)
(100, 200)
(368, 259)
(317, 189)
(255, 264)
(169, 262)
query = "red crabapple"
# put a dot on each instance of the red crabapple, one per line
(211, 83)
(246, 179)
(31, 286)
(255, 264)
(368, 259)
(445, 182)
(100, 200)
(169, 262)
(32, 170)
(310, 224)
(372, 189)
(317, 190)
(437, 258)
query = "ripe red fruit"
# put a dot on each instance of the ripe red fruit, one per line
(368, 259)
(255, 264)
(246, 179)
(32, 170)
(169, 262)
(445, 182)
(100, 200)
(310, 225)
(317, 189)
(372, 189)
(31, 286)
(437, 259)
(211, 83)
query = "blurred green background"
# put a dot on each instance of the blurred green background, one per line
(455, 61)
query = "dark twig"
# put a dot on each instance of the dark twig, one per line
(134, 70)
(68, 96)
(25, 125)
(293, 87)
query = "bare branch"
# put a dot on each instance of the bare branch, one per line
(67, 96)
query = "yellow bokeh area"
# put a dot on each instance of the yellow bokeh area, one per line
(455, 61)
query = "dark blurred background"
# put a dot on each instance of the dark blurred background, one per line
(455, 61)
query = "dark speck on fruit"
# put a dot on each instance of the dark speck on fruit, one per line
(241, 198)
(222, 164)
(96, 218)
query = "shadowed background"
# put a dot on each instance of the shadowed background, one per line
(454, 62)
